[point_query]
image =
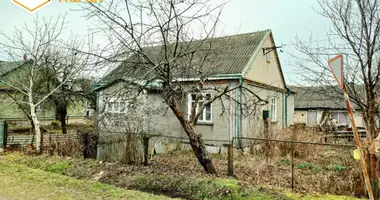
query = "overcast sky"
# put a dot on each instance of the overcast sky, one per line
(286, 18)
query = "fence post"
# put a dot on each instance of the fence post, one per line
(292, 165)
(146, 146)
(5, 134)
(230, 160)
(266, 135)
(50, 145)
(85, 137)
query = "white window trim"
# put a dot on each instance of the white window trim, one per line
(273, 113)
(114, 100)
(203, 111)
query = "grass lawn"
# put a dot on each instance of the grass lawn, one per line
(20, 182)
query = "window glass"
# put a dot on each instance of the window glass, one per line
(273, 109)
(206, 113)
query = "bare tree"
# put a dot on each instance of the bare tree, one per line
(355, 33)
(36, 49)
(73, 88)
(169, 45)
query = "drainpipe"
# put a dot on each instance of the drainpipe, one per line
(283, 110)
(239, 111)
(286, 107)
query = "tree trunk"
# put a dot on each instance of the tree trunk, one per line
(33, 126)
(195, 139)
(61, 114)
(372, 160)
(63, 125)
(62, 118)
(199, 149)
(37, 129)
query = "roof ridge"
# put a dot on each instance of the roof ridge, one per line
(241, 34)
(213, 38)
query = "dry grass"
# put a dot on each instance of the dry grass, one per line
(177, 174)
(151, 179)
(317, 168)
(68, 147)
(133, 153)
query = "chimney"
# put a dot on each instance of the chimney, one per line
(25, 57)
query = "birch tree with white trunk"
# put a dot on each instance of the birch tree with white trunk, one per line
(31, 50)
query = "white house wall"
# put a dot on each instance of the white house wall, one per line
(264, 69)
(359, 121)
(290, 110)
(253, 126)
(300, 117)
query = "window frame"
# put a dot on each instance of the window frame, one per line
(345, 114)
(204, 111)
(267, 58)
(121, 109)
(273, 104)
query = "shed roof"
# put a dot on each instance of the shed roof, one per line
(322, 97)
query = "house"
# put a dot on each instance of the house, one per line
(11, 109)
(250, 59)
(312, 104)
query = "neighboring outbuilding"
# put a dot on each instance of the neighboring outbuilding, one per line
(315, 106)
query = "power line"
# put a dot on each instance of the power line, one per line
(308, 42)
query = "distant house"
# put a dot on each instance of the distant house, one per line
(313, 104)
(251, 58)
(11, 111)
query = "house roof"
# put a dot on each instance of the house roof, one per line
(6, 66)
(228, 55)
(322, 97)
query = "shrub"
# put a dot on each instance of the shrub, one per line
(66, 147)
(284, 161)
(310, 166)
(184, 187)
(134, 149)
(89, 139)
(338, 168)
(55, 124)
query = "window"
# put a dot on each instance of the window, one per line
(273, 108)
(340, 117)
(206, 115)
(115, 107)
(267, 58)
(115, 110)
